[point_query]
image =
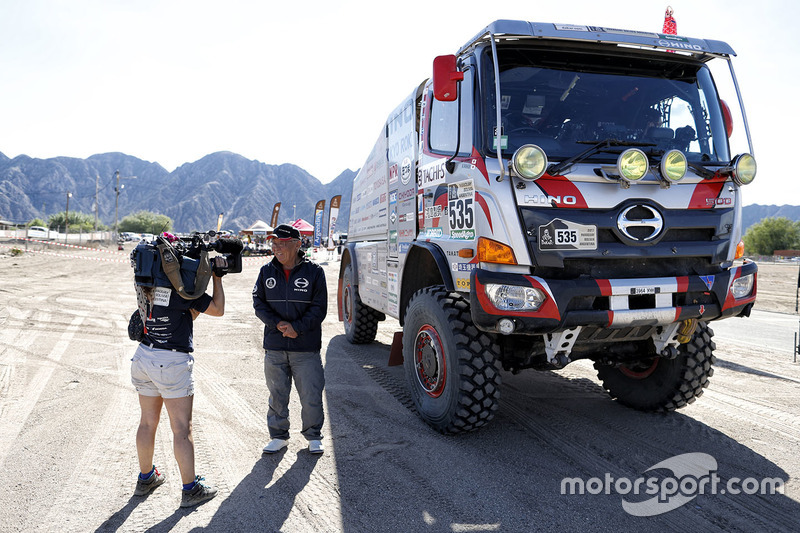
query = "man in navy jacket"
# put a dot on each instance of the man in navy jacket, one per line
(291, 298)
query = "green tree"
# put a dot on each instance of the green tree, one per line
(78, 222)
(770, 234)
(36, 222)
(145, 222)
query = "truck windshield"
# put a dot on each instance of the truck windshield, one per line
(562, 100)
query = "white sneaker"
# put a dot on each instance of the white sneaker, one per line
(275, 445)
(316, 447)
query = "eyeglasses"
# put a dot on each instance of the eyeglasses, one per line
(278, 243)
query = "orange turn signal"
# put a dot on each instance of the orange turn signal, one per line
(739, 250)
(490, 251)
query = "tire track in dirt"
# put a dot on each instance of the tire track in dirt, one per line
(630, 434)
(16, 414)
(104, 465)
(750, 411)
(225, 444)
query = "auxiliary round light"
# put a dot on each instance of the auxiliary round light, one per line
(505, 326)
(673, 165)
(632, 164)
(744, 169)
(529, 162)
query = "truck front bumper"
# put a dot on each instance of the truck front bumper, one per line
(612, 303)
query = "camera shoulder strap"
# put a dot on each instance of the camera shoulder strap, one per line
(172, 268)
(143, 305)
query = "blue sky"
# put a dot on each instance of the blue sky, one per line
(311, 83)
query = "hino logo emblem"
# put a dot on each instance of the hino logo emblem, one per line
(640, 222)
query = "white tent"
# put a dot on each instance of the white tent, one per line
(259, 227)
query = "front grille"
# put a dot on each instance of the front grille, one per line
(693, 241)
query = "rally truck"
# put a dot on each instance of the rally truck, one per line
(553, 193)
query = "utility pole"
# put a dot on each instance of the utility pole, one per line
(96, 204)
(66, 219)
(116, 203)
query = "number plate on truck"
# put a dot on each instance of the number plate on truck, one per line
(564, 235)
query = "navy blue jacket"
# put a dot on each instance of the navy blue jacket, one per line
(302, 300)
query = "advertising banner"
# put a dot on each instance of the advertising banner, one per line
(274, 220)
(319, 212)
(332, 216)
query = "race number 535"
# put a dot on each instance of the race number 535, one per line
(462, 213)
(566, 236)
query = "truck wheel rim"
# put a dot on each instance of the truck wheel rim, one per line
(347, 306)
(429, 361)
(640, 371)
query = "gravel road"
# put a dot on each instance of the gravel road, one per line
(68, 416)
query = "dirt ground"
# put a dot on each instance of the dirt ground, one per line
(68, 417)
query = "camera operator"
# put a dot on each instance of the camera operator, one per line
(161, 371)
(291, 298)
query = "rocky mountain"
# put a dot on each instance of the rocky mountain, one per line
(754, 213)
(193, 195)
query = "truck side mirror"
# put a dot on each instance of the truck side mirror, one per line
(727, 117)
(445, 78)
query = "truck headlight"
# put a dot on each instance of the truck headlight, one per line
(632, 164)
(742, 287)
(744, 169)
(673, 165)
(514, 297)
(529, 162)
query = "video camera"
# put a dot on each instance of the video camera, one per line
(147, 262)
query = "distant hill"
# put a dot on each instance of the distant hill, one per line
(754, 213)
(194, 194)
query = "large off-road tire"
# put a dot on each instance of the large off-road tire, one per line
(360, 321)
(452, 368)
(659, 384)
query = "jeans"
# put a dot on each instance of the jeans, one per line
(309, 378)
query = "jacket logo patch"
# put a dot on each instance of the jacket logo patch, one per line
(301, 283)
(270, 283)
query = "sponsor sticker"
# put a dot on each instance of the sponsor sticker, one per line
(565, 235)
(431, 174)
(461, 210)
(405, 171)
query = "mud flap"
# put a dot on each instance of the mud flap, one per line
(396, 353)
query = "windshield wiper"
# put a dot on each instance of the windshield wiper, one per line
(701, 170)
(602, 146)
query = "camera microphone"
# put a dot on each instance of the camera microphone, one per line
(227, 245)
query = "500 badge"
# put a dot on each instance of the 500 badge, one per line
(564, 235)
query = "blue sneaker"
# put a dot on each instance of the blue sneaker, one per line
(197, 494)
(145, 486)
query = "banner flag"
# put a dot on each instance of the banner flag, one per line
(319, 212)
(219, 221)
(333, 215)
(274, 220)
(670, 26)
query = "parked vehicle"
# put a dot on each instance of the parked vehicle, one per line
(39, 232)
(554, 193)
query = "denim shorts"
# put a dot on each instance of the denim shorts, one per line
(157, 372)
